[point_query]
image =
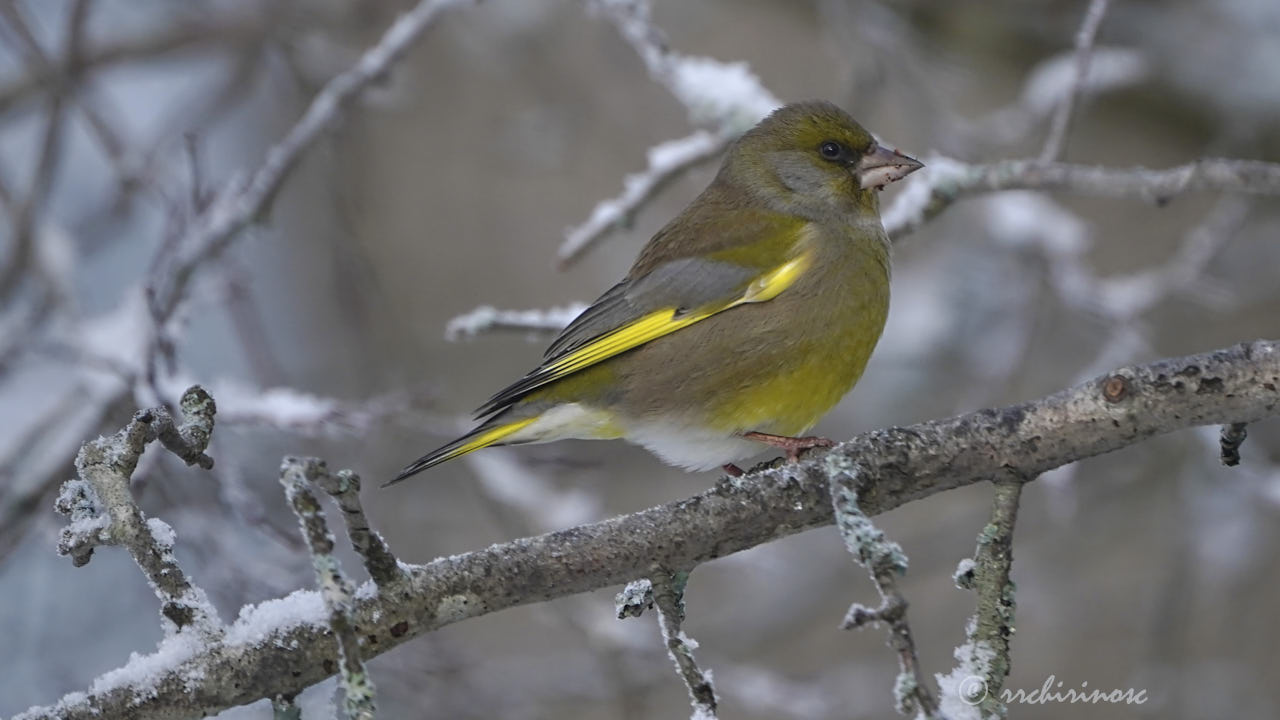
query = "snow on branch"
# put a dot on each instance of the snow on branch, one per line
(667, 161)
(281, 647)
(102, 510)
(487, 318)
(724, 96)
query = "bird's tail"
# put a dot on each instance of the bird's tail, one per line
(483, 436)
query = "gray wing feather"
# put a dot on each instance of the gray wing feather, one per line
(685, 284)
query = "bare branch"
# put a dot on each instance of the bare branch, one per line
(185, 36)
(284, 653)
(884, 560)
(237, 204)
(1084, 54)
(240, 203)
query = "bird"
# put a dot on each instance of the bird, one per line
(741, 322)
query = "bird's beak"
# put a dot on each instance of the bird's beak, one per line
(882, 166)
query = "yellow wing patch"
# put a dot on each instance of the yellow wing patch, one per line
(668, 320)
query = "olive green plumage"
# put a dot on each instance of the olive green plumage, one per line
(753, 311)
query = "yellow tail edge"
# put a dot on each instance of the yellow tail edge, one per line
(479, 438)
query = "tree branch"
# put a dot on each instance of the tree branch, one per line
(668, 598)
(268, 654)
(102, 510)
(944, 181)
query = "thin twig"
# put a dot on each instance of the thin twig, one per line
(69, 84)
(241, 202)
(335, 588)
(944, 181)
(344, 486)
(885, 561)
(145, 46)
(984, 659)
(1231, 439)
(668, 598)
(1061, 123)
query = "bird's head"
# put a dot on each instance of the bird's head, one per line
(813, 156)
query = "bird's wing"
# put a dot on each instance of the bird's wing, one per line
(672, 296)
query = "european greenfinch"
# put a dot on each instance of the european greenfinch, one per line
(742, 322)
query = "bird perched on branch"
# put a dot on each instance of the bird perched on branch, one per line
(742, 322)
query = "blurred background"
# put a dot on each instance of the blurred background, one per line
(321, 331)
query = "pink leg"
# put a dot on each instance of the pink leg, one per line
(793, 446)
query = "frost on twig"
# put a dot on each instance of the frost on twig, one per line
(885, 561)
(1231, 438)
(102, 510)
(335, 588)
(668, 597)
(487, 318)
(972, 688)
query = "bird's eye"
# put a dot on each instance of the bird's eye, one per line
(831, 150)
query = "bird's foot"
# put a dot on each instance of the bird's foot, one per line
(732, 470)
(793, 446)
